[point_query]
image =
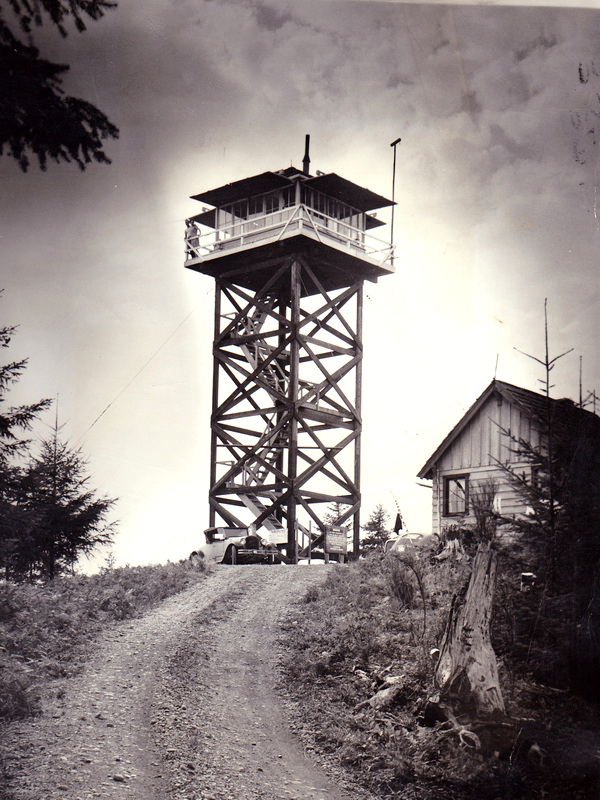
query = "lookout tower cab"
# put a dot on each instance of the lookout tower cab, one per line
(289, 253)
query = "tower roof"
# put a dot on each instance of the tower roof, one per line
(240, 190)
(342, 189)
(330, 184)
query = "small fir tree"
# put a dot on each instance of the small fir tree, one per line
(559, 620)
(334, 513)
(377, 529)
(558, 541)
(69, 518)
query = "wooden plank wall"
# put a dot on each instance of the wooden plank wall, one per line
(476, 451)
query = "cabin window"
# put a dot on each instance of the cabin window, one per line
(456, 495)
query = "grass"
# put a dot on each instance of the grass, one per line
(45, 628)
(365, 626)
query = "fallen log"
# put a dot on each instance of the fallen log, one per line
(384, 697)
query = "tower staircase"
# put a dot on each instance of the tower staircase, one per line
(256, 472)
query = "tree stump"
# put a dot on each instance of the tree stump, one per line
(467, 673)
(453, 549)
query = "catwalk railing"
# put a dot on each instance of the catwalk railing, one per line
(281, 224)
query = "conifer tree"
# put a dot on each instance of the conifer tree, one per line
(558, 540)
(48, 514)
(36, 117)
(15, 522)
(69, 517)
(334, 513)
(377, 531)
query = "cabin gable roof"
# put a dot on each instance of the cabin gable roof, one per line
(564, 415)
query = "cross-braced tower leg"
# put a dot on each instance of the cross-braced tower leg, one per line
(286, 419)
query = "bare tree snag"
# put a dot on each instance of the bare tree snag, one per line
(467, 673)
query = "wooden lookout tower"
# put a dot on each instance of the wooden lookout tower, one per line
(289, 252)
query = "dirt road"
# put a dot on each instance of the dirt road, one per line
(180, 704)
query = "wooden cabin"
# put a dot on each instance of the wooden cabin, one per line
(484, 440)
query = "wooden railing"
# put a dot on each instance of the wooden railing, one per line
(281, 223)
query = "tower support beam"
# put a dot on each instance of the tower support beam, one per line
(286, 420)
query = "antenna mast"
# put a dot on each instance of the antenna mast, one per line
(393, 144)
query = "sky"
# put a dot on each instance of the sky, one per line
(497, 190)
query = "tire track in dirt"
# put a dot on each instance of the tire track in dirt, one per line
(180, 704)
(247, 748)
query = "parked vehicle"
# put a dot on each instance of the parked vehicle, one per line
(237, 546)
(407, 542)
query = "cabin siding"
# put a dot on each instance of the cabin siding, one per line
(479, 451)
(508, 502)
(487, 439)
(436, 500)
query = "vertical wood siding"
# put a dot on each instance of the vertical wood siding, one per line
(476, 451)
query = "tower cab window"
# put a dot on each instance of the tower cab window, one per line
(272, 203)
(256, 206)
(330, 208)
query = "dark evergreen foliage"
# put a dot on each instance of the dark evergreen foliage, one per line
(334, 514)
(562, 490)
(556, 623)
(14, 419)
(377, 531)
(31, 13)
(48, 514)
(36, 117)
(15, 523)
(68, 517)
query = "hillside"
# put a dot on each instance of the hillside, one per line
(254, 682)
(359, 672)
(180, 702)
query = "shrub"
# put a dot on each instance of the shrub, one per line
(311, 595)
(401, 582)
(44, 628)
(18, 697)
